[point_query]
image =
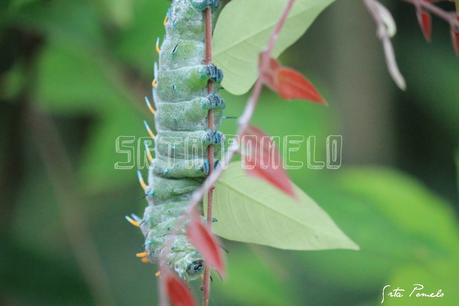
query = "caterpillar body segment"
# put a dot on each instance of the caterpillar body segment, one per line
(189, 115)
(165, 189)
(184, 84)
(181, 103)
(187, 145)
(185, 20)
(156, 214)
(197, 167)
(179, 53)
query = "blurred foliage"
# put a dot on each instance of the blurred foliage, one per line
(401, 226)
(440, 100)
(88, 65)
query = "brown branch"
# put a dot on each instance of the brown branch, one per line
(210, 150)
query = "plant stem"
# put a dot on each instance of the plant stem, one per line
(210, 149)
(244, 120)
(375, 9)
(208, 185)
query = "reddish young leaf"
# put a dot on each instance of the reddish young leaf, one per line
(206, 243)
(293, 85)
(263, 160)
(177, 292)
(289, 83)
(455, 38)
(425, 21)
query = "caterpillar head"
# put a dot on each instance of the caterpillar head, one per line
(195, 269)
(189, 265)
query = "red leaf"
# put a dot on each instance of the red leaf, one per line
(293, 85)
(206, 243)
(455, 38)
(262, 159)
(425, 21)
(289, 83)
(177, 292)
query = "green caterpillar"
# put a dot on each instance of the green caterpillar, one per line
(180, 165)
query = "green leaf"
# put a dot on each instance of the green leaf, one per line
(243, 30)
(250, 210)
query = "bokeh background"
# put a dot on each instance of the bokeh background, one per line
(73, 75)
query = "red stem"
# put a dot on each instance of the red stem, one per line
(210, 149)
(244, 120)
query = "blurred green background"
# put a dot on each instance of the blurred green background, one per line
(73, 75)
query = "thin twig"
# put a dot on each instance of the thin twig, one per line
(381, 16)
(244, 120)
(210, 149)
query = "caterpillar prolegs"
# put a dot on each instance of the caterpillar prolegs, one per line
(182, 102)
